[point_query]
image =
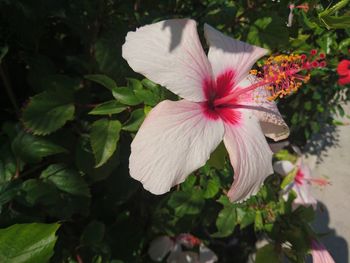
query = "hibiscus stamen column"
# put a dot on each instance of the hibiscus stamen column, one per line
(281, 75)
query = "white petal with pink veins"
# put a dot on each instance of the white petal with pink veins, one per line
(271, 121)
(174, 140)
(170, 53)
(250, 156)
(227, 53)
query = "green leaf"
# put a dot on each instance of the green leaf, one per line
(144, 95)
(85, 161)
(66, 180)
(337, 22)
(226, 221)
(48, 111)
(27, 243)
(135, 120)
(8, 191)
(268, 254)
(217, 158)
(8, 163)
(149, 84)
(126, 96)
(258, 223)
(186, 203)
(134, 84)
(285, 155)
(247, 219)
(93, 233)
(309, 23)
(107, 108)
(224, 200)
(344, 45)
(308, 105)
(212, 188)
(103, 80)
(36, 190)
(316, 95)
(288, 179)
(104, 137)
(269, 30)
(147, 109)
(147, 96)
(31, 149)
(189, 183)
(334, 8)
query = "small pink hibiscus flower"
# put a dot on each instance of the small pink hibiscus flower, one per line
(302, 182)
(177, 137)
(173, 250)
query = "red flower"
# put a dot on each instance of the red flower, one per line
(344, 72)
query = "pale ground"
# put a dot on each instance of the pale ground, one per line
(333, 216)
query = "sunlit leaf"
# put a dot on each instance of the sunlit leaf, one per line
(27, 243)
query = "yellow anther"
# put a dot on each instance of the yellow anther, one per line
(253, 72)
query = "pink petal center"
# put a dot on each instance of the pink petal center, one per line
(299, 177)
(216, 89)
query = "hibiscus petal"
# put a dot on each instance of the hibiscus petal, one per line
(180, 256)
(320, 253)
(170, 53)
(343, 67)
(160, 247)
(271, 121)
(277, 146)
(304, 196)
(250, 156)
(174, 140)
(227, 53)
(206, 255)
(303, 191)
(344, 80)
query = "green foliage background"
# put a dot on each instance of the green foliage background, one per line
(71, 106)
